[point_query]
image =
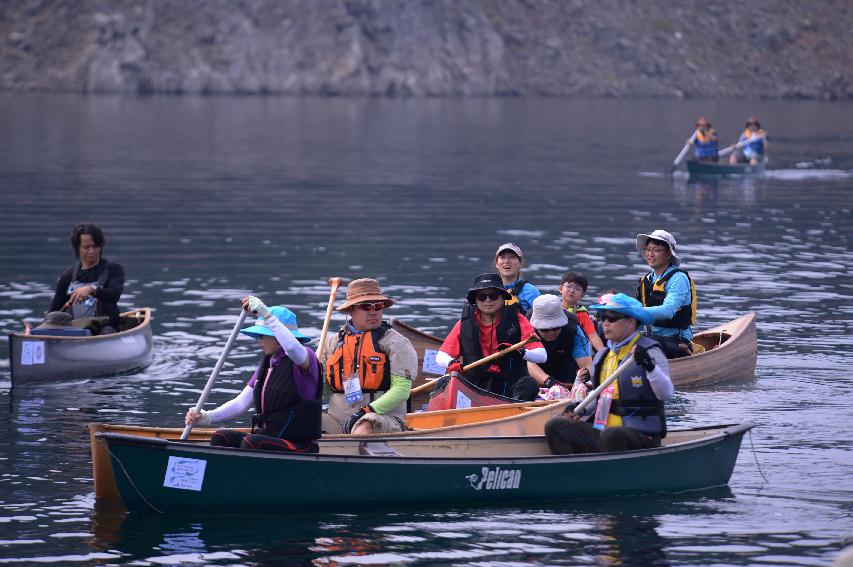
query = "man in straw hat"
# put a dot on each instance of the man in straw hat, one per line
(564, 340)
(487, 326)
(370, 366)
(667, 293)
(631, 415)
(285, 389)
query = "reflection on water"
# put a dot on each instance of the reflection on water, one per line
(205, 200)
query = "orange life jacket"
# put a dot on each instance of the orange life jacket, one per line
(360, 354)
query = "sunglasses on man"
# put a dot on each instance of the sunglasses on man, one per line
(488, 296)
(611, 317)
(377, 306)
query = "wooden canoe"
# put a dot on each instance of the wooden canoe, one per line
(46, 357)
(731, 351)
(706, 168)
(157, 475)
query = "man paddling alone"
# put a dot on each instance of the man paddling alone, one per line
(285, 389)
(630, 413)
(370, 366)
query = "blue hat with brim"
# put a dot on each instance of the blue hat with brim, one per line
(285, 316)
(627, 305)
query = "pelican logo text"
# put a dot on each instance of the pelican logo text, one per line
(495, 479)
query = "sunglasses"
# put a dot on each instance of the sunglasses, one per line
(612, 317)
(554, 330)
(378, 306)
(488, 296)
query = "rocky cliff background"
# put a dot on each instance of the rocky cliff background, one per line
(676, 48)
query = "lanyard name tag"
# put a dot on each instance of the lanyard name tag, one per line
(352, 389)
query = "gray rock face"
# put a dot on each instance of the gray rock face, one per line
(775, 48)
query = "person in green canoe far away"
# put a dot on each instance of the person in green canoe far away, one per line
(565, 344)
(668, 294)
(754, 140)
(370, 366)
(573, 286)
(508, 263)
(705, 141)
(630, 412)
(285, 390)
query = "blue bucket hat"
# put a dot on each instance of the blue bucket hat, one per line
(285, 316)
(621, 303)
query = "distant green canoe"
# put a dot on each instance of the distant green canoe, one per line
(711, 168)
(157, 475)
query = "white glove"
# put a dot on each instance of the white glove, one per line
(202, 418)
(257, 306)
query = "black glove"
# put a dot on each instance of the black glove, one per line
(550, 382)
(347, 428)
(641, 357)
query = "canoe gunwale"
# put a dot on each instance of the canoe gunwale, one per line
(725, 431)
(146, 322)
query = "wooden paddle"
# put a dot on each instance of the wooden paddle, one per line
(335, 283)
(476, 363)
(683, 152)
(733, 147)
(216, 369)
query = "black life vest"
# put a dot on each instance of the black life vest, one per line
(512, 366)
(637, 404)
(515, 290)
(285, 414)
(651, 293)
(560, 363)
(360, 353)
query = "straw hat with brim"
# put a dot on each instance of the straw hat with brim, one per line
(285, 316)
(364, 290)
(487, 281)
(56, 320)
(548, 312)
(663, 236)
(627, 305)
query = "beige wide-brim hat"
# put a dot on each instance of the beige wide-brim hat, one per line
(364, 289)
(548, 312)
(57, 320)
(662, 235)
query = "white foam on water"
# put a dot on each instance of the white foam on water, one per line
(808, 174)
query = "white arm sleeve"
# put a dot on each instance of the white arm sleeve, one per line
(537, 355)
(292, 347)
(659, 378)
(233, 408)
(442, 358)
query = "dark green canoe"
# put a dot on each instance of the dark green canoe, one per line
(179, 477)
(711, 168)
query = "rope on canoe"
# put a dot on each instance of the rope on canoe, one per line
(130, 480)
(755, 456)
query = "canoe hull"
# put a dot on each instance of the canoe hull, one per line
(460, 393)
(704, 168)
(36, 358)
(162, 476)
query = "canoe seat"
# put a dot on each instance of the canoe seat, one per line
(66, 332)
(377, 449)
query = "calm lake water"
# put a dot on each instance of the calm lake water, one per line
(206, 199)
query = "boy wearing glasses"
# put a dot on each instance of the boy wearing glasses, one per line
(370, 366)
(631, 415)
(487, 326)
(667, 293)
(572, 289)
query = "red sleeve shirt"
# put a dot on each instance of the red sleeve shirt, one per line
(585, 322)
(488, 337)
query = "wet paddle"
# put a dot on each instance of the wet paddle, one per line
(216, 369)
(335, 283)
(683, 152)
(476, 363)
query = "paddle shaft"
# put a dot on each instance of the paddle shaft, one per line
(733, 147)
(209, 386)
(612, 378)
(335, 283)
(480, 362)
(683, 151)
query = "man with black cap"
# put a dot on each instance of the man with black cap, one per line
(630, 413)
(667, 293)
(487, 326)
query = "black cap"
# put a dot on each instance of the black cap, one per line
(487, 281)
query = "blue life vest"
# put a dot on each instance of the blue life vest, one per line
(754, 147)
(705, 145)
